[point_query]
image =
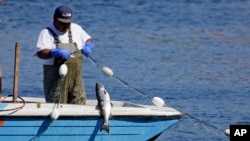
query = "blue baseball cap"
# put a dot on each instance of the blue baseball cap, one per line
(63, 14)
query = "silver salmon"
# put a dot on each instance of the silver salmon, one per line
(104, 104)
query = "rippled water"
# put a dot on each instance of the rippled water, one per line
(192, 53)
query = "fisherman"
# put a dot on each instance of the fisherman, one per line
(63, 42)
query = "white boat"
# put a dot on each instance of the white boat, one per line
(32, 119)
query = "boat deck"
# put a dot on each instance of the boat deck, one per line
(37, 107)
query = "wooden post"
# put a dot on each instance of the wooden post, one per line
(16, 71)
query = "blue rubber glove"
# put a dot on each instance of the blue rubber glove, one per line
(87, 48)
(61, 52)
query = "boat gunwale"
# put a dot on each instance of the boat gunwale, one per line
(120, 109)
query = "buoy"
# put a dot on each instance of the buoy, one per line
(158, 101)
(55, 114)
(227, 132)
(63, 70)
(107, 71)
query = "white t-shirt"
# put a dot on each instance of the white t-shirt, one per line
(46, 40)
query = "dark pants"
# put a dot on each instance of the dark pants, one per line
(69, 89)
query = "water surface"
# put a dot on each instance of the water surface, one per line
(193, 54)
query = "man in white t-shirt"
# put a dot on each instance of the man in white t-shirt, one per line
(63, 42)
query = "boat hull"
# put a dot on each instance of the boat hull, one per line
(31, 119)
(82, 128)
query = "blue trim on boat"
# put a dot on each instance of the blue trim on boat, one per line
(81, 128)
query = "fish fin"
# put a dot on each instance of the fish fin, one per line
(105, 127)
(98, 104)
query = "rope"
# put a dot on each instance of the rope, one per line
(12, 109)
(146, 95)
(199, 121)
(60, 92)
(50, 120)
(120, 80)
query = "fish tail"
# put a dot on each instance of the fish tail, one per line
(105, 127)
